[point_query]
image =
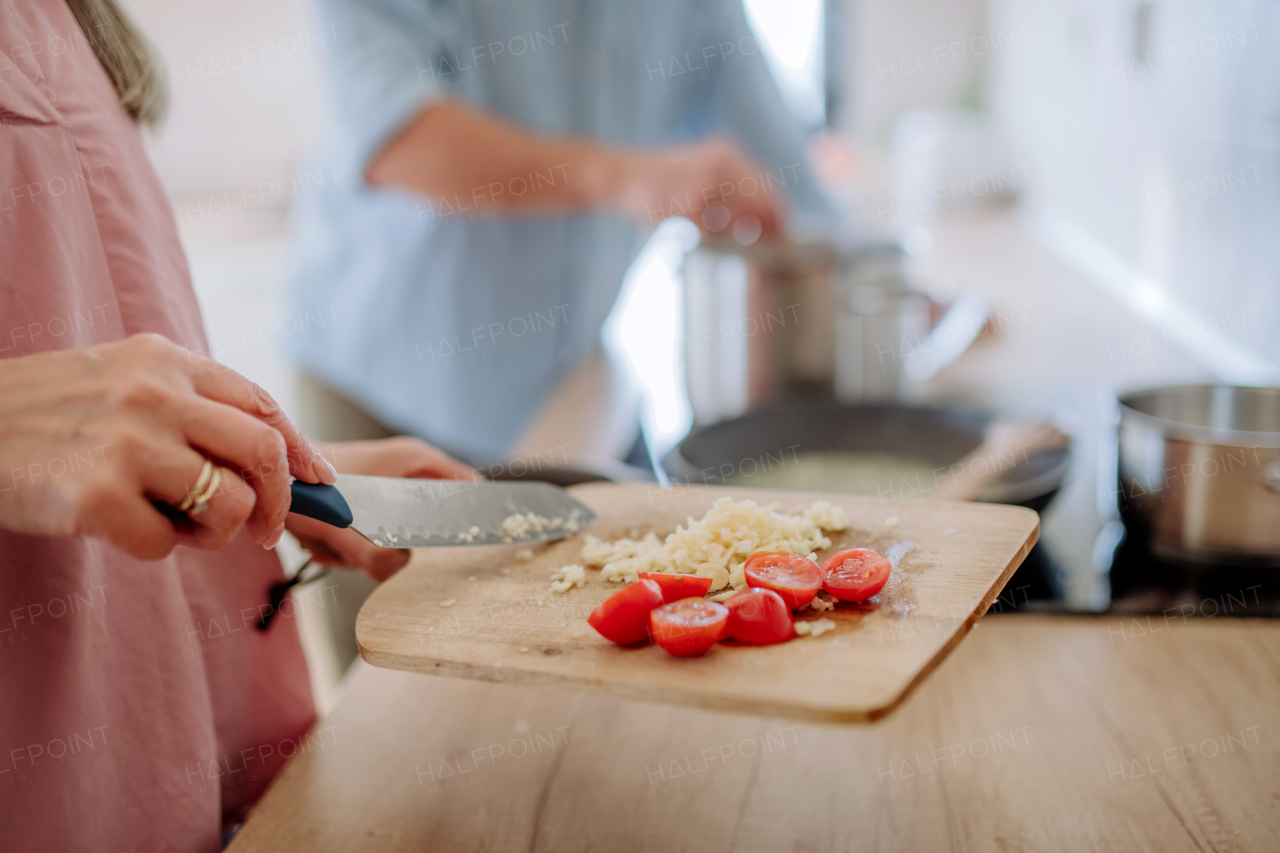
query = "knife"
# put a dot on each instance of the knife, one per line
(397, 512)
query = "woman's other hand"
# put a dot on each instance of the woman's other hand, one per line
(401, 456)
(89, 438)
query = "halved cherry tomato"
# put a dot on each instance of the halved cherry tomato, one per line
(855, 574)
(676, 587)
(759, 617)
(689, 627)
(624, 616)
(797, 579)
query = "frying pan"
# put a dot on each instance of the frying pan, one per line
(937, 435)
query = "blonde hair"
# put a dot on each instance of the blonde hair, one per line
(128, 58)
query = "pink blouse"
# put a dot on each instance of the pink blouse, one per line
(139, 706)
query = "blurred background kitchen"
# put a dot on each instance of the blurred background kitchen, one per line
(1042, 205)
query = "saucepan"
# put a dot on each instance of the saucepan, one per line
(1199, 472)
(790, 320)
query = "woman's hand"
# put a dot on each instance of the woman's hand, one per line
(90, 437)
(401, 456)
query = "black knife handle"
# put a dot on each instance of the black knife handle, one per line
(321, 502)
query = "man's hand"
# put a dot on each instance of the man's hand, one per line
(712, 182)
(463, 155)
(392, 457)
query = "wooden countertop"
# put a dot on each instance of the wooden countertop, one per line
(1040, 733)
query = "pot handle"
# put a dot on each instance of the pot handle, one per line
(955, 332)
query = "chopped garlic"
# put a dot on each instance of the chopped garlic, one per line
(821, 604)
(449, 603)
(566, 578)
(718, 574)
(816, 628)
(469, 535)
(827, 516)
(521, 525)
(597, 553)
(717, 545)
(524, 554)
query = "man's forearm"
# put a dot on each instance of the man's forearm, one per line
(468, 157)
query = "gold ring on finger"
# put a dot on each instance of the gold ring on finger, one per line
(202, 500)
(206, 474)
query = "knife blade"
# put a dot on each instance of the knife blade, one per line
(397, 512)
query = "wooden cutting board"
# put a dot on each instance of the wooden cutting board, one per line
(506, 625)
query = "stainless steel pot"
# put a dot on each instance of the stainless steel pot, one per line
(1199, 472)
(757, 325)
(773, 322)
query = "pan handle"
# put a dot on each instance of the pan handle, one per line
(321, 502)
(958, 328)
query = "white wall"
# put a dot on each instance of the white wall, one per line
(909, 54)
(1149, 128)
(1153, 128)
(245, 94)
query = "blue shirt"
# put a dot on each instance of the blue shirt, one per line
(453, 324)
